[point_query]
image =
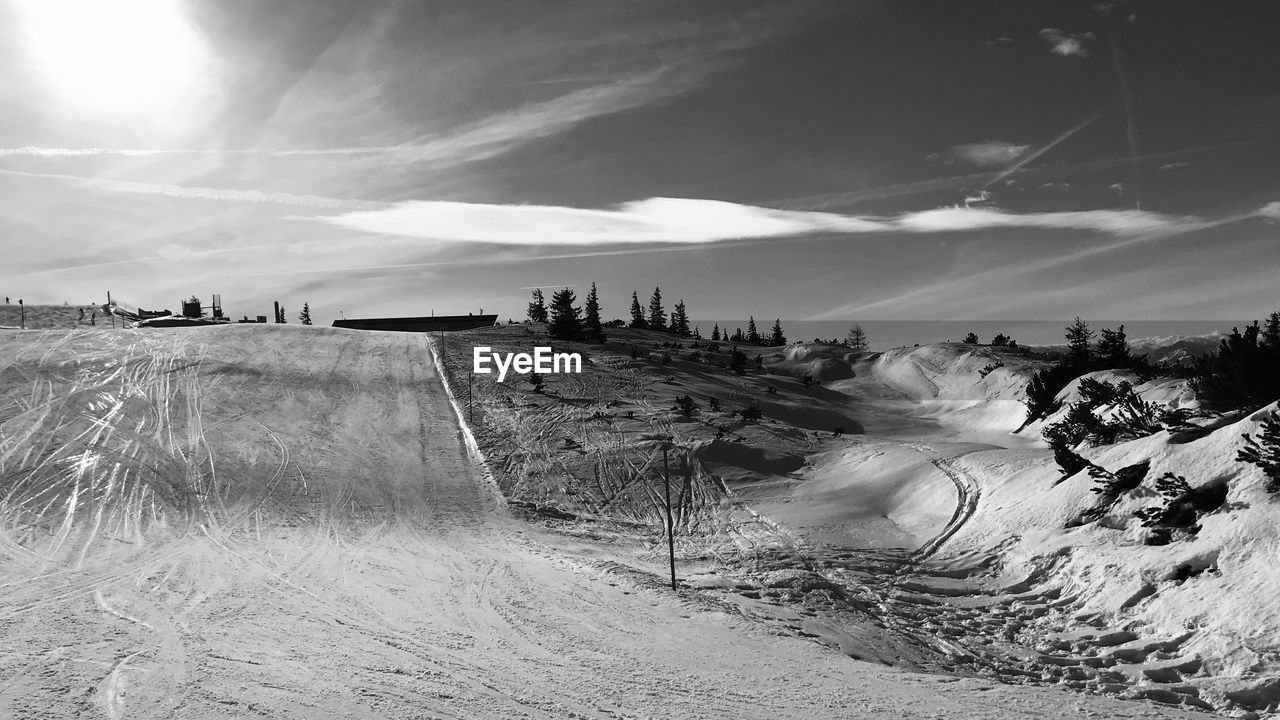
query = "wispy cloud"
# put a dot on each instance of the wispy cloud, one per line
(480, 140)
(1111, 222)
(921, 187)
(55, 152)
(675, 220)
(1066, 45)
(666, 62)
(512, 259)
(967, 287)
(188, 192)
(488, 137)
(992, 152)
(656, 220)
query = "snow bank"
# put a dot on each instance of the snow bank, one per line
(1175, 393)
(1210, 598)
(967, 387)
(867, 495)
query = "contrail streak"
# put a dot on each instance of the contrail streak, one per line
(1126, 101)
(1046, 148)
(206, 193)
(489, 260)
(900, 190)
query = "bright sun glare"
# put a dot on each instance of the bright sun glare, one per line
(124, 57)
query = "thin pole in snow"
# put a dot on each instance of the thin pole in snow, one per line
(471, 416)
(671, 540)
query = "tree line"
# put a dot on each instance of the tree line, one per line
(566, 321)
(1243, 373)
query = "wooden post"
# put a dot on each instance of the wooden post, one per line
(671, 539)
(22, 312)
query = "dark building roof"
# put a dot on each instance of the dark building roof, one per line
(434, 323)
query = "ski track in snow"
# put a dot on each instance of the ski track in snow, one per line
(383, 577)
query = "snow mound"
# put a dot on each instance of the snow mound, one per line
(968, 386)
(821, 361)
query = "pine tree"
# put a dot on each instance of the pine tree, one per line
(537, 307)
(971, 339)
(776, 337)
(857, 338)
(738, 336)
(1271, 332)
(657, 316)
(564, 323)
(282, 319)
(1079, 337)
(1113, 348)
(1241, 374)
(592, 329)
(637, 314)
(305, 316)
(715, 332)
(1264, 451)
(753, 335)
(680, 320)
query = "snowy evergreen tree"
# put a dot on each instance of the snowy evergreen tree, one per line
(305, 316)
(1113, 348)
(1079, 337)
(856, 338)
(753, 335)
(776, 338)
(657, 316)
(592, 329)
(715, 332)
(1271, 332)
(637, 313)
(537, 307)
(564, 324)
(680, 320)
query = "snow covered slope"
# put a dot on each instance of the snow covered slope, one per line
(348, 559)
(1198, 612)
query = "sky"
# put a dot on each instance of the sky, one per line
(851, 160)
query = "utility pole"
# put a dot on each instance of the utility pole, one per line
(671, 540)
(22, 311)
